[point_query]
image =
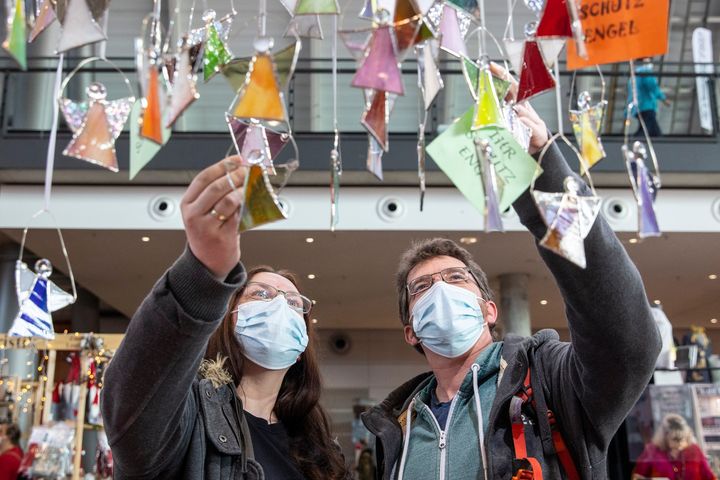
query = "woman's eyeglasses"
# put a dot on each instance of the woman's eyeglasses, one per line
(264, 292)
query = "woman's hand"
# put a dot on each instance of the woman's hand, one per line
(211, 214)
(526, 113)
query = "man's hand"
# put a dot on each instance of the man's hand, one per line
(526, 113)
(667, 102)
(211, 214)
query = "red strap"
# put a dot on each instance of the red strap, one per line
(561, 449)
(520, 444)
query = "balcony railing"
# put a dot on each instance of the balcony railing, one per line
(27, 97)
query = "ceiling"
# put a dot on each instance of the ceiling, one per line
(354, 270)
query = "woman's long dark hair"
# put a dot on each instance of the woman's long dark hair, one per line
(297, 407)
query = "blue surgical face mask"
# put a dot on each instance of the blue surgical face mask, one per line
(448, 320)
(272, 334)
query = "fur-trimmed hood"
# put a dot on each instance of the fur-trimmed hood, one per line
(215, 371)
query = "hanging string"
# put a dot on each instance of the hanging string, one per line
(102, 48)
(511, 21)
(50, 162)
(509, 33)
(192, 14)
(483, 46)
(334, 73)
(558, 99)
(262, 18)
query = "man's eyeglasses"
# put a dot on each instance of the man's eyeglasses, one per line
(265, 292)
(449, 275)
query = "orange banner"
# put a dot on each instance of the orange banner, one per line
(620, 30)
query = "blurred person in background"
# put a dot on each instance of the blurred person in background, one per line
(673, 454)
(648, 94)
(10, 452)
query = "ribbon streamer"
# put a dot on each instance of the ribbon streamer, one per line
(50, 159)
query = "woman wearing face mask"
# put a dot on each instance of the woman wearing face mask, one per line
(217, 376)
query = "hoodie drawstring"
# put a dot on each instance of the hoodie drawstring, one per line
(406, 442)
(481, 429)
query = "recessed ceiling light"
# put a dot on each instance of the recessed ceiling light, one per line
(314, 320)
(713, 320)
(712, 276)
(309, 240)
(657, 302)
(311, 276)
(145, 239)
(633, 240)
(468, 240)
(543, 302)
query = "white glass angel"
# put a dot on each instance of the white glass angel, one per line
(569, 218)
(38, 297)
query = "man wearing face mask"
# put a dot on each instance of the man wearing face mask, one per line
(524, 408)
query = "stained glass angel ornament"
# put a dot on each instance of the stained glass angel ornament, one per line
(213, 37)
(44, 17)
(569, 217)
(261, 96)
(560, 19)
(16, 32)
(149, 64)
(81, 22)
(96, 124)
(304, 25)
(645, 186)
(531, 59)
(451, 25)
(491, 185)
(183, 83)
(587, 124)
(38, 297)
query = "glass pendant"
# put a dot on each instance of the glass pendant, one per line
(216, 52)
(16, 37)
(569, 218)
(285, 60)
(452, 39)
(380, 70)
(310, 7)
(38, 297)
(428, 72)
(373, 161)
(96, 124)
(151, 122)
(587, 123)
(484, 153)
(534, 75)
(43, 19)
(304, 26)
(645, 187)
(260, 96)
(261, 205)
(183, 90)
(79, 27)
(375, 119)
(487, 106)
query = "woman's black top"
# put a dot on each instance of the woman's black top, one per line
(272, 449)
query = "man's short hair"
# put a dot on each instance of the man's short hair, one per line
(423, 250)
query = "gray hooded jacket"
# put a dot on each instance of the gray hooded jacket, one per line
(163, 420)
(590, 384)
